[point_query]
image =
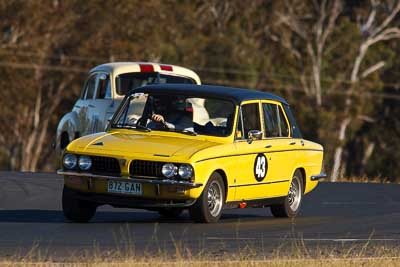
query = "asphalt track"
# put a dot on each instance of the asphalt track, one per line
(334, 215)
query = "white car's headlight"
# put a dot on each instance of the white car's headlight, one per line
(185, 171)
(85, 163)
(70, 161)
(169, 170)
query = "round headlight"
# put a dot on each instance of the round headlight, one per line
(169, 170)
(185, 171)
(69, 161)
(85, 163)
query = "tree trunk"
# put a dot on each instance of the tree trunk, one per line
(337, 160)
(367, 155)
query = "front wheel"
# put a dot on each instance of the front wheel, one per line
(291, 205)
(208, 207)
(75, 209)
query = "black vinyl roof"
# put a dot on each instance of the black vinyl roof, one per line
(236, 94)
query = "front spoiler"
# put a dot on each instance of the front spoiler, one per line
(130, 179)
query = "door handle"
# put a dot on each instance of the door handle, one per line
(77, 106)
(268, 146)
(292, 143)
(91, 106)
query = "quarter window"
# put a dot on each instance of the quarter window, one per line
(251, 119)
(103, 87)
(239, 129)
(90, 87)
(275, 123)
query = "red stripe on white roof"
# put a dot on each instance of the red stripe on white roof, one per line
(166, 67)
(146, 68)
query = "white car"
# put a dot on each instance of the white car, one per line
(105, 88)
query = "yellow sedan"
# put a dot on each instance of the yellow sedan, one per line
(203, 148)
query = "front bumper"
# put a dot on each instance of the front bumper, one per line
(318, 176)
(156, 193)
(184, 184)
(120, 201)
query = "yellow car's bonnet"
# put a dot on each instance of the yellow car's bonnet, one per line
(125, 144)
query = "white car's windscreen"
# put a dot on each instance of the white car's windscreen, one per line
(128, 81)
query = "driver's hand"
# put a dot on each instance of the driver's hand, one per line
(157, 118)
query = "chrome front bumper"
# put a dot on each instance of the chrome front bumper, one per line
(130, 179)
(318, 176)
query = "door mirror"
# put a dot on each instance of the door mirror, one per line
(254, 135)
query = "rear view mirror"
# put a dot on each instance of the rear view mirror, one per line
(254, 135)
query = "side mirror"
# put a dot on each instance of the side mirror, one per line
(254, 135)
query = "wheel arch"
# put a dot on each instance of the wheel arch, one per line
(303, 173)
(224, 179)
(67, 127)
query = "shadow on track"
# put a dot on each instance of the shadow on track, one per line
(56, 216)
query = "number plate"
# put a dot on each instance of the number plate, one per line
(124, 187)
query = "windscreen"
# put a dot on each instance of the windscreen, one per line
(173, 112)
(127, 81)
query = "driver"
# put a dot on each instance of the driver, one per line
(172, 112)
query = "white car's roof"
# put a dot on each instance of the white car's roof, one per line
(123, 67)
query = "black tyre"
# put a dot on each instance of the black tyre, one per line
(208, 207)
(170, 212)
(291, 205)
(75, 209)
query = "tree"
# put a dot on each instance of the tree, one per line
(312, 24)
(326, 54)
(37, 86)
(375, 29)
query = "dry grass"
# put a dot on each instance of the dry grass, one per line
(295, 253)
(340, 262)
(356, 262)
(377, 180)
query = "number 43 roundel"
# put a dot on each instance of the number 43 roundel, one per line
(260, 167)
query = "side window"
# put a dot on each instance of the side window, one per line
(251, 118)
(89, 88)
(274, 121)
(104, 87)
(284, 127)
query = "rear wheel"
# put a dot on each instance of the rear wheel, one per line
(291, 205)
(208, 207)
(75, 209)
(170, 212)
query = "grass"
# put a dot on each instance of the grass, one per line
(381, 260)
(356, 262)
(291, 253)
(365, 179)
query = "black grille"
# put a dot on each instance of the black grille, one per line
(146, 168)
(101, 165)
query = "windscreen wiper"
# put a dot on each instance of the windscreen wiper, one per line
(127, 126)
(141, 127)
(188, 132)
